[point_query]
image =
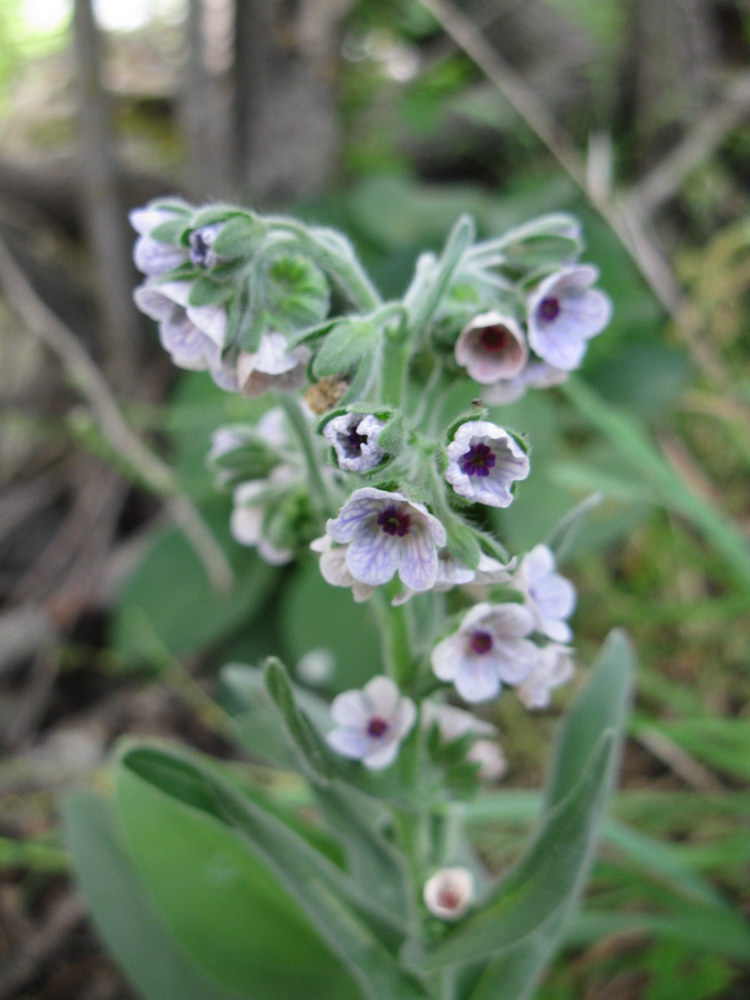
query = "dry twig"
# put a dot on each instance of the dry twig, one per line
(92, 386)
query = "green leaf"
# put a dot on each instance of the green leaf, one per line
(352, 926)
(513, 975)
(239, 237)
(172, 231)
(344, 346)
(429, 286)
(295, 292)
(652, 469)
(217, 895)
(125, 916)
(462, 543)
(208, 292)
(310, 749)
(549, 876)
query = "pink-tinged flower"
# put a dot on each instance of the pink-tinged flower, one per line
(564, 313)
(354, 438)
(251, 502)
(335, 571)
(491, 347)
(490, 757)
(388, 534)
(485, 461)
(549, 596)
(489, 649)
(554, 667)
(151, 256)
(371, 723)
(272, 366)
(193, 335)
(449, 893)
(536, 375)
(491, 570)
(453, 573)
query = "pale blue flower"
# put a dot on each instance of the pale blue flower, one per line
(485, 461)
(354, 438)
(193, 335)
(388, 534)
(371, 723)
(536, 375)
(549, 596)
(564, 313)
(151, 256)
(489, 649)
(555, 666)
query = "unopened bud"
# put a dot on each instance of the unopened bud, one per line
(449, 893)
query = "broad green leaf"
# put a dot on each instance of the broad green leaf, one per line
(513, 975)
(344, 346)
(231, 914)
(124, 914)
(209, 292)
(362, 934)
(168, 605)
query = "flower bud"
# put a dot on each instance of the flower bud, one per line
(449, 893)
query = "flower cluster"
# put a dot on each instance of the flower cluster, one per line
(386, 486)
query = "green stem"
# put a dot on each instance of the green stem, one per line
(320, 489)
(395, 366)
(395, 638)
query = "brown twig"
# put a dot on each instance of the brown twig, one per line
(92, 386)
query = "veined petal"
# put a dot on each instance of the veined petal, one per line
(477, 680)
(419, 561)
(373, 555)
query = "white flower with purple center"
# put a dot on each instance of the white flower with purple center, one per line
(488, 650)
(151, 256)
(449, 893)
(491, 347)
(193, 335)
(536, 375)
(549, 596)
(272, 366)
(354, 438)
(485, 461)
(334, 569)
(554, 667)
(564, 314)
(371, 723)
(388, 534)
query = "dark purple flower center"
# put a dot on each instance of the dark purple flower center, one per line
(549, 309)
(477, 461)
(394, 521)
(377, 727)
(496, 339)
(200, 248)
(353, 442)
(480, 642)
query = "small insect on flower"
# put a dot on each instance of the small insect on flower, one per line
(354, 438)
(449, 893)
(388, 534)
(489, 649)
(549, 596)
(491, 347)
(564, 314)
(485, 461)
(371, 723)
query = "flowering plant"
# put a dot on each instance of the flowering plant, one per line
(365, 462)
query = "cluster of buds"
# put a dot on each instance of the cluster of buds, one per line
(358, 459)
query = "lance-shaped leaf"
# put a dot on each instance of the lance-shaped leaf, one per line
(125, 915)
(312, 752)
(549, 876)
(352, 927)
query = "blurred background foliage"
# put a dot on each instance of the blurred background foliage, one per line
(387, 119)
